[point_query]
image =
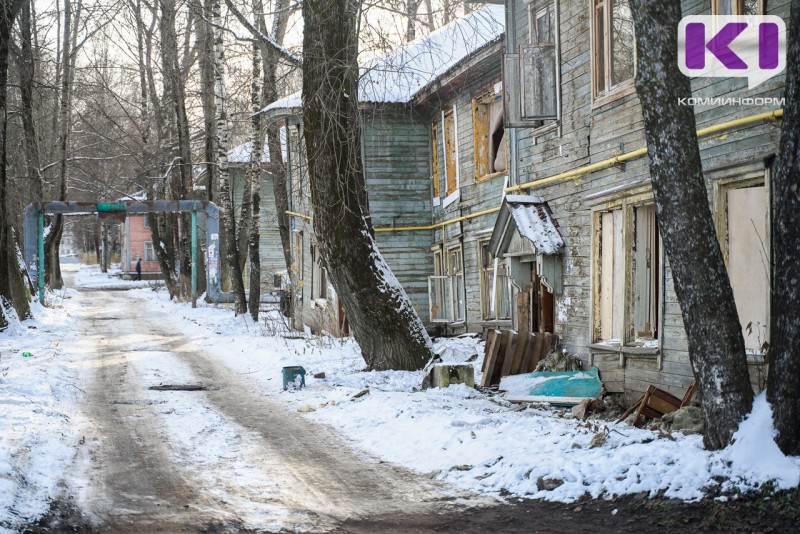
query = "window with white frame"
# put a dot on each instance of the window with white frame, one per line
(149, 251)
(496, 291)
(613, 43)
(627, 274)
(455, 268)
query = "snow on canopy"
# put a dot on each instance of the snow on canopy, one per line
(398, 76)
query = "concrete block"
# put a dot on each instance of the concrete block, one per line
(444, 374)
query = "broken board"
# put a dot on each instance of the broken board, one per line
(565, 388)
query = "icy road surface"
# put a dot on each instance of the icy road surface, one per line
(228, 456)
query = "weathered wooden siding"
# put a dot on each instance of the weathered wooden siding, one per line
(473, 195)
(593, 133)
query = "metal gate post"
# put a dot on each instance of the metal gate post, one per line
(40, 239)
(194, 256)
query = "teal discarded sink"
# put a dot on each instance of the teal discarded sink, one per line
(559, 387)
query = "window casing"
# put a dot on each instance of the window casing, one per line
(532, 75)
(435, 178)
(613, 47)
(737, 7)
(742, 213)
(628, 274)
(455, 268)
(149, 251)
(496, 293)
(450, 151)
(146, 222)
(489, 135)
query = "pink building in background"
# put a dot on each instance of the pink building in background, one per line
(137, 242)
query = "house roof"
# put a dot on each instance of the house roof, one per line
(241, 153)
(531, 218)
(397, 76)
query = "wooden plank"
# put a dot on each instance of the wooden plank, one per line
(532, 358)
(514, 354)
(511, 349)
(549, 341)
(491, 363)
(523, 340)
(527, 354)
(491, 342)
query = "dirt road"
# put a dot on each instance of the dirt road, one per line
(224, 457)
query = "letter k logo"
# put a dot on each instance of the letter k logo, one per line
(719, 45)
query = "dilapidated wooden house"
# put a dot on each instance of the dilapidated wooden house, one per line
(418, 158)
(574, 133)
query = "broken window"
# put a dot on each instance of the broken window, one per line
(737, 7)
(319, 276)
(495, 289)
(611, 276)
(613, 42)
(645, 257)
(455, 268)
(531, 75)
(435, 161)
(627, 280)
(450, 150)
(489, 136)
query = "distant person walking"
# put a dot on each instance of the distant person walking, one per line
(138, 269)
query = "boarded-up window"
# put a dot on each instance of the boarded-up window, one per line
(611, 276)
(489, 136)
(645, 268)
(450, 151)
(627, 281)
(612, 44)
(435, 160)
(748, 260)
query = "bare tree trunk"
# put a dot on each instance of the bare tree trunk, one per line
(206, 36)
(226, 192)
(25, 64)
(254, 183)
(10, 281)
(783, 391)
(716, 345)
(384, 322)
(53, 239)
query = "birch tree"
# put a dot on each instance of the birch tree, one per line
(383, 321)
(716, 345)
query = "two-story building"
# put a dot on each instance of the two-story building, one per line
(575, 129)
(418, 111)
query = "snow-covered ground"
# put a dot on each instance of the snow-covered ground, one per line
(459, 435)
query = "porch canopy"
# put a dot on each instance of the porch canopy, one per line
(526, 232)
